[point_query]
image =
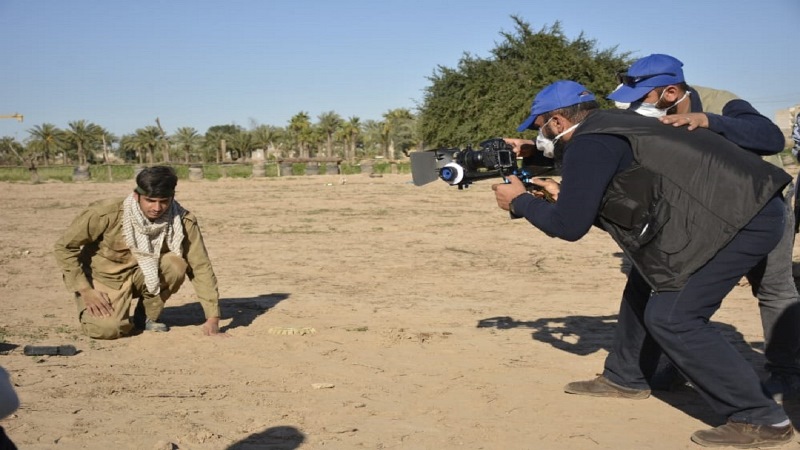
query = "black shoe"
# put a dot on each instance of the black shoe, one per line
(744, 435)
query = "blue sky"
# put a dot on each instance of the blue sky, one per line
(199, 63)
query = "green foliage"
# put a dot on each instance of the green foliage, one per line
(349, 169)
(484, 98)
(60, 173)
(212, 172)
(111, 172)
(298, 169)
(381, 167)
(15, 174)
(271, 169)
(181, 171)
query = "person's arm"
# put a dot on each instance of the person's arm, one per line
(201, 273)
(740, 123)
(590, 161)
(87, 228)
(743, 125)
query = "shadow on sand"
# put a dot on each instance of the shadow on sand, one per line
(242, 311)
(584, 335)
(273, 438)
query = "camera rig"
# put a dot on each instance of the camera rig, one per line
(462, 167)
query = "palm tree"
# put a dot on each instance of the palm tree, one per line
(108, 140)
(241, 143)
(188, 140)
(128, 146)
(300, 132)
(329, 123)
(267, 137)
(351, 130)
(146, 140)
(164, 144)
(374, 137)
(48, 137)
(217, 138)
(82, 135)
(397, 130)
(11, 151)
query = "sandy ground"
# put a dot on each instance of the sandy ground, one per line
(440, 324)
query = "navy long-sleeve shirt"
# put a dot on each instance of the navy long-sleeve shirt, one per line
(590, 162)
(743, 125)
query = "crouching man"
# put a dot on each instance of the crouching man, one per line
(142, 247)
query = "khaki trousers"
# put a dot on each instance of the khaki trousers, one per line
(171, 272)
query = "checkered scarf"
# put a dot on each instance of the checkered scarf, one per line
(145, 238)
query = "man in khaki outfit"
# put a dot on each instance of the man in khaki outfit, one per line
(140, 247)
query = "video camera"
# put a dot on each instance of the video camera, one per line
(462, 167)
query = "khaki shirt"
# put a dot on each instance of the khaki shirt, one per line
(714, 100)
(94, 247)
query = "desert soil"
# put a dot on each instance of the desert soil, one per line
(425, 319)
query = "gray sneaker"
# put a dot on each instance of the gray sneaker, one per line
(603, 387)
(744, 435)
(150, 325)
(782, 386)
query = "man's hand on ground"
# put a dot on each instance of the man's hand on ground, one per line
(97, 303)
(211, 328)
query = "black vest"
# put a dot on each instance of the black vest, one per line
(686, 196)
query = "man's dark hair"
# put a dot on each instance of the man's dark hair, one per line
(575, 113)
(157, 182)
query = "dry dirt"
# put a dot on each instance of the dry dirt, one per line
(440, 324)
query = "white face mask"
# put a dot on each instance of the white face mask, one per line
(650, 109)
(548, 146)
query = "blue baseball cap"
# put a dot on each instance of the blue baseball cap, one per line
(554, 96)
(645, 75)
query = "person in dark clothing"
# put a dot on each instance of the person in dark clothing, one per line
(655, 86)
(9, 402)
(635, 179)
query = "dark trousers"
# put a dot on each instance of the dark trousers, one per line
(678, 323)
(5, 442)
(773, 285)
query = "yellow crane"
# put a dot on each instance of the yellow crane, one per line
(17, 116)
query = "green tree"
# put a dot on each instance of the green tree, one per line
(217, 137)
(268, 138)
(301, 133)
(11, 152)
(82, 135)
(146, 141)
(107, 140)
(399, 131)
(374, 139)
(240, 145)
(129, 149)
(483, 98)
(48, 138)
(329, 123)
(350, 133)
(187, 140)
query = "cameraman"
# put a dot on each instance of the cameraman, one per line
(634, 177)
